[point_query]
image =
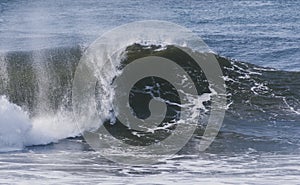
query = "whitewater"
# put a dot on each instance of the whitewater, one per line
(255, 42)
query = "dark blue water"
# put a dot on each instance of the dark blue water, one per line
(261, 32)
(259, 142)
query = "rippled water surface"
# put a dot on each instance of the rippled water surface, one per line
(259, 143)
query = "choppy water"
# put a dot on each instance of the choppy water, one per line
(42, 42)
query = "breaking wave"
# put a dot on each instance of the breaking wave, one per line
(36, 94)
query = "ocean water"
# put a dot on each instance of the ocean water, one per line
(256, 44)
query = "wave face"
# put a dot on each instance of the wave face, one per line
(38, 86)
(36, 96)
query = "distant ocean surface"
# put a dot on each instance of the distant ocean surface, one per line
(255, 42)
(259, 32)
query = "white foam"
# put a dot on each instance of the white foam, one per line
(48, 128)
(14, 125)
(18, 130)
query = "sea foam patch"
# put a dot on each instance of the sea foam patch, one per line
(14, 125)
